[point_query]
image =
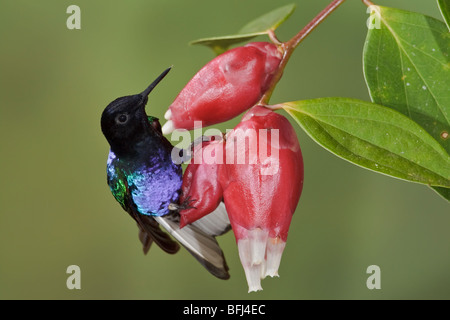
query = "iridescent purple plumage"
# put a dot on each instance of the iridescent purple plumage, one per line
(153, 182)
(154, 188)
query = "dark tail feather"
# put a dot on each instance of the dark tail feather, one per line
(153, 232)
(145, 239)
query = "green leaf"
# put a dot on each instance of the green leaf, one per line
(407, 68)
(259, 26)
(443, 192)
(444, 6)
(374, 137)
(221, 44)
(268, 21)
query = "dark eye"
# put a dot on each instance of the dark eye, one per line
(122, 118)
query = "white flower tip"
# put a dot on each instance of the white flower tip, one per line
(274, 251)
(260, 256)
(168, 127)
(253, 275)
(258, 241)
(168, 114)
(255, 288)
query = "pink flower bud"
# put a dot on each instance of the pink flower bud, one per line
(225, 87)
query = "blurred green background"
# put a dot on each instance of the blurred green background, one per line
(56, 209)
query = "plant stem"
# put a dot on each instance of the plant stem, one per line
(368, 3)
(289, 46)
(274, 38)
(295, 41)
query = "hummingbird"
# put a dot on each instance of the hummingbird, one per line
(147, 184)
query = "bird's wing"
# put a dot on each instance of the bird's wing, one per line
(150, 231)
(215, 223)
(201, 245)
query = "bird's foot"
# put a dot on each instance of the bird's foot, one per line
(182, 206)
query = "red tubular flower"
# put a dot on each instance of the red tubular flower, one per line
(260, 183)
(261, 195)
(225, 87)
(201, 182)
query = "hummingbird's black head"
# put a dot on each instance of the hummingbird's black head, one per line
(124, 121)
